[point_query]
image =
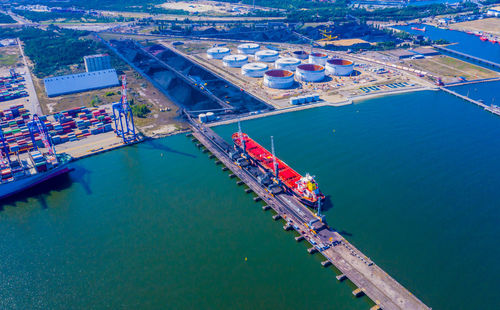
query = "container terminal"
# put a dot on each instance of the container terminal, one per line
(28, 154)
(369, 279)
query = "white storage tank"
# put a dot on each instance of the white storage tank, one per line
(218, 52)
(202, 118)
(248, 48)
(210, 116)
(278, 78)
(339, 66)
(266, 55)
(310, 72)
(254, 69)
(318, 59)
(300, 54)
(235, 61)
(287, 63)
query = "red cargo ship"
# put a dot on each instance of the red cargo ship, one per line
(305, 188)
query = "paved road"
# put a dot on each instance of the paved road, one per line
(35, 107)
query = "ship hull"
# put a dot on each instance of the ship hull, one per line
(18, 186)
(263, 159)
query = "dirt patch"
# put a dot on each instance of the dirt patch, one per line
(10, 57)
(450, 68)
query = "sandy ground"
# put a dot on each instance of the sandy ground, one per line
(201, 7)
(343, 42)
(489, 25)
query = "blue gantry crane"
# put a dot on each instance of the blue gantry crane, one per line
(122, 116)
(37, 126)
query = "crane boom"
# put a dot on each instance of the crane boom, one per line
(275, 164)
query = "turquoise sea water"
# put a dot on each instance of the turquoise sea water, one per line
(413, 180)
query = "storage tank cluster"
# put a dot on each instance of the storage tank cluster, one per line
(310, 73)
(287, 63)
(318, 59)
(278, 78)
(218, 52)
(304, 99)
(235, 61)
(339, 67)
(248, 48)
(206, 117)
(266, 55)
(254, 69)
(300, 54)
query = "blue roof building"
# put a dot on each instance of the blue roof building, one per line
(80, 82)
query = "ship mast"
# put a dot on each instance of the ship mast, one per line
(275, 164)
(240, 134)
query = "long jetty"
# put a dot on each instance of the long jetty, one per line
(369, 278)
(492, 109)
(467, 56)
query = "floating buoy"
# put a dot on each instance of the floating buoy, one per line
(246, 259)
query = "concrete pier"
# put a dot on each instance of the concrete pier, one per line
(375, 283)
(312, 250)
(326, 263)
(491, 109)
(341, 277)
(358, 292)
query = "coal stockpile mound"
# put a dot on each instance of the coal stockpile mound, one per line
(184, 94)
(192, 96)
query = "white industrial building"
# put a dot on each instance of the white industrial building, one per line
(75, 83)
(97, 62)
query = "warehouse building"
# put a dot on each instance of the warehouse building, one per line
(75, 83)
(425, 51)
(401, 54)
(97, 62)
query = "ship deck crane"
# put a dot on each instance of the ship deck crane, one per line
(123, 117)
(275, 164)
(240, 135)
